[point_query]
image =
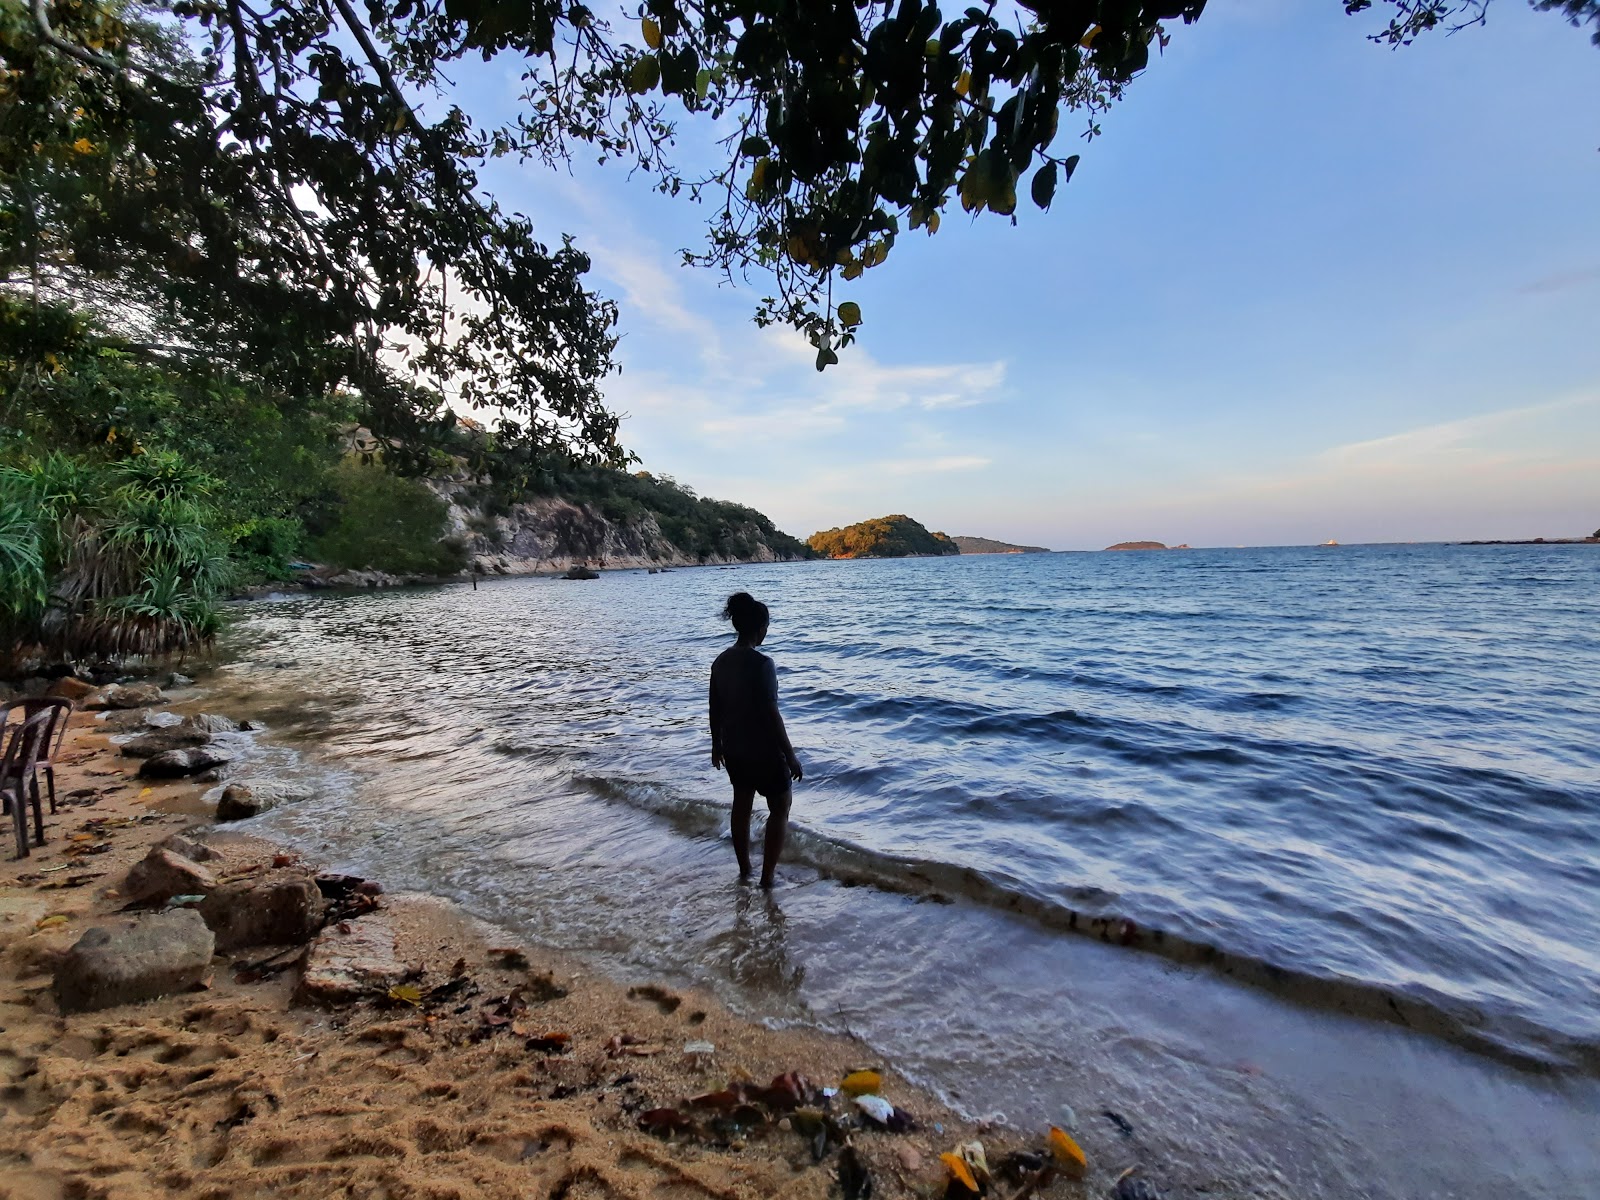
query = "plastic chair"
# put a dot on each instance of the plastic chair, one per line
(60, 715)
(19, 777)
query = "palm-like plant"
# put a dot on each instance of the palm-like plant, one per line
(124, 558)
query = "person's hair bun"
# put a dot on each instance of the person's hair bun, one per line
(746, 612)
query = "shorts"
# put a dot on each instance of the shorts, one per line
(769, 776)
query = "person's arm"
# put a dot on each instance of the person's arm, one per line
(715, 707)
(789, 756)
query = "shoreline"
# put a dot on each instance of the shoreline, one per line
(238, 1088)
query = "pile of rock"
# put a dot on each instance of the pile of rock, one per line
(332, 920)
(182, 750)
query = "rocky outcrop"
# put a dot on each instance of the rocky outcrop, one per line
(550, 535)
(139, 960)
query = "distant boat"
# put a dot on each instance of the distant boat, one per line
(1329, 542)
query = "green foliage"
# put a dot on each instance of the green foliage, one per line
(387, 523)
(896, 536)
(113, 559)
(150, 163)
(700, 528)
(254, 456)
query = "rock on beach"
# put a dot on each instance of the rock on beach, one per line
(131, 695)
(163, 874)
(344, 966)
(280, 908)
(178, 764)
(159, 741)
(251, 798)
(152, 956)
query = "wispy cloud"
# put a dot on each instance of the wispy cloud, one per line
(1466, 436)
(927, 466)
(1562, 281)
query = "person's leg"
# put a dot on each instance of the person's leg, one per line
(777, 829)
(744, 799)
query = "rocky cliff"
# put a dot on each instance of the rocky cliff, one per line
(548, 533)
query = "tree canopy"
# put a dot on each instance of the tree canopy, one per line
(894, 536)
(288, 186)
(235, 186)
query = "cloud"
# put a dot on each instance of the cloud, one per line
(651, 291)
(1466, 436)
(925, 466)
(1561, 282)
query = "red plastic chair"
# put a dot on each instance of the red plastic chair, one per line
(61, 714)
(19, 776)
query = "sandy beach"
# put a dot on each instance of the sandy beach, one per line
(490, 1073)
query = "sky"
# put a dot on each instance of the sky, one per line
(1303, 287)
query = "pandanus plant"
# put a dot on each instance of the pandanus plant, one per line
(110, 560)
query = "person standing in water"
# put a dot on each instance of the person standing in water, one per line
(747, 734)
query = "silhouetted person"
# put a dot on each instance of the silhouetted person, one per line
(747, 734)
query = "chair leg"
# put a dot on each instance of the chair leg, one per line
(38, 814)
(19, 821)
(50, 779)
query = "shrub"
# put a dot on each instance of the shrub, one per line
(386, 523)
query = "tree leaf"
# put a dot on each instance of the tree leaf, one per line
(644, 76)
(1044, 185)
(858, 1083)
(850, 317)
(1067, 1154)
(652, 33)
(959, 1171)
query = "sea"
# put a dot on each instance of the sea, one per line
(1273, 871)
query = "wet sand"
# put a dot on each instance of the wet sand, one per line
(236, 1091)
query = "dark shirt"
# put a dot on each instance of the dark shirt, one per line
(744, 699)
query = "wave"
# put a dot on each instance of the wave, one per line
(1098, 913)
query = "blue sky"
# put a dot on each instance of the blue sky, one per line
(1303, 287)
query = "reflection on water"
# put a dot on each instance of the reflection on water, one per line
(1357, 775)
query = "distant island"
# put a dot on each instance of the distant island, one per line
(895, 536)
(981, 545)
(1142, 546)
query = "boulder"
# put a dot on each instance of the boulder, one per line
(69, 687)
(250, 799)
(277, 908)
(163, 874)
(159, 741)
(191, 848)
(178, 764)
(344, 966)
(177, 680)
(132, 695)
(210, 723)
(152, 956)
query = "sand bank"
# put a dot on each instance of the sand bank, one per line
(236, 1090)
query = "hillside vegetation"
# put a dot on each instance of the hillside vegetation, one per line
(895, 536)
(137, 493)
(983, 545)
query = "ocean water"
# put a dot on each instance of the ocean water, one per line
(1288, 857)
